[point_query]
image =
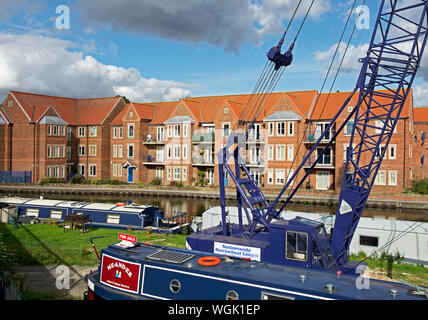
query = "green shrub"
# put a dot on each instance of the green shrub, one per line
(77, 179)
(420, 186)
(156, 181)
(96, 181)
(47, 180)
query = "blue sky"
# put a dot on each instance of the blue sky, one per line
(166, 49)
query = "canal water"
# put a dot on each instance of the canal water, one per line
(196, 207)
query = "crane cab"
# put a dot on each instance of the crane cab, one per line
(300, 242)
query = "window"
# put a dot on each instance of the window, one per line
(49, 151)
(280, 129)
(92, 150)
(92, 170)
(226, 110)
(369, 241)
(177, 131)
(291, 129)
(270, 152)
(130, 152)
(290, 173)
(177, 173)
(177, 152)
(168, 173)
(392, 152)
(113, 218)
(210, 175)
(381, 178)
(56, 151)
(184, 151)
(270, 176)
(275, 296)
(169, 131)
(290, 152)
(55, 130)
(92, 131)
(114, 170)
(130, 130)
(49, 130)
(68, 134)
(114, 151)
(185, 129)
(280, 152)
(10, 104)
(392, 178)
(348, 128)
(380, 151)
(68, 153)
(232, 295)
(226, 129)
(296, 246)
(271, 129)
(346, 150)
(184, 173)
(81, 169)
(159, 172)
(279, 176)
(175, 286)
(159, 134)
(81, 131)
(410, 151)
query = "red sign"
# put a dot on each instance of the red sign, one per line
(120, 274)
(127, 237)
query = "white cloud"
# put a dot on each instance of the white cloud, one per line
(53, 66)
(225, 24)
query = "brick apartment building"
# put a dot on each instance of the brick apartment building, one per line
(177, 141)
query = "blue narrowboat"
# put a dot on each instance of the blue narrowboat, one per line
(144, 271)
(106, 215)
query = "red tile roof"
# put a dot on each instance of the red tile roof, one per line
(420, 114)
(89, 111)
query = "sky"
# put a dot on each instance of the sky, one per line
(164, 50)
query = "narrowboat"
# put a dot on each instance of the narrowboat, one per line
(105, 215)
(144, 272)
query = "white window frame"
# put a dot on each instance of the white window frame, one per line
(131, 125)
(291, 129)
(390, 182)
(91, 169)
(290, 152)
(271, 152)
(270, 177)
(390, 148)
(176, 152)
(279, 176)
(283, 127)
(81, 132)
(378, 180)
(80, 171)
(169, 173)
(271, 129)
(92, 131)
(92, 150)
(176, 173)
(128, 145)
(177, 131)
(184, 151)
(184, 173)
(222, 129)
(280, 152)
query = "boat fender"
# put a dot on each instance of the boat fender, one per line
(209, 261)
(120, 204)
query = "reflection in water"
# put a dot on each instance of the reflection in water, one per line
(197, 206)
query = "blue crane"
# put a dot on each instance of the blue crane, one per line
(383, 86)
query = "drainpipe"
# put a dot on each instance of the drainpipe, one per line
(87, 151)
(404, 155)
(34, 146)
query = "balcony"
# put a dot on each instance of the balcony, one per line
(202, 162)
(203, 138)
(153, 160)
(153, 140)
(327, 161)
(311, 137)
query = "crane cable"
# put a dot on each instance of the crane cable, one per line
(325, 81)
(269, 77)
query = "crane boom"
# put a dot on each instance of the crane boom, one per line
(388, 71)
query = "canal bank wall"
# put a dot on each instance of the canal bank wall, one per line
(399, 201)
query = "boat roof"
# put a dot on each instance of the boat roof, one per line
(133, 208)
(261, 274)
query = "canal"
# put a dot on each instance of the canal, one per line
(196, 206)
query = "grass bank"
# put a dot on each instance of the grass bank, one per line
(45, 244)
